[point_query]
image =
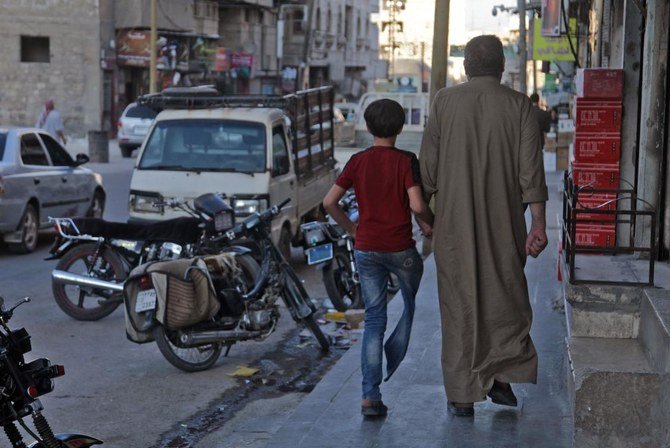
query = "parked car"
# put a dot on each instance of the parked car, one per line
(38, 179)
(134, 125)
(256, 150)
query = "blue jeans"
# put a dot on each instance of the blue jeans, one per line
(374, 269)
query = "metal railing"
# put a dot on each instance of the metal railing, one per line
(576, 212)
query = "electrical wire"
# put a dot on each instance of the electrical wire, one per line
(567, 27)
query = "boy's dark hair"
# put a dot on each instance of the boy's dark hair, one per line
(484, 56)
(385, 118)
(534, 98)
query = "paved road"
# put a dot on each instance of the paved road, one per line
(124, 393)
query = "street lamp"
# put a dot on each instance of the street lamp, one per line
(523, 57)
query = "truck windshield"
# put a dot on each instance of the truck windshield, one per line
(206, 145)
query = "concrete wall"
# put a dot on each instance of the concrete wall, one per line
(175, 15)
(72, 78)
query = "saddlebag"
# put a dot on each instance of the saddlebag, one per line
(184, 296)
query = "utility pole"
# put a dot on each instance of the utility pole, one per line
(153, 72)
(523, 52)
(423, 67)
(438, 76)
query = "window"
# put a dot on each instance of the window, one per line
(141, 112)
(32, 152)
(280, 160)
(3, 140)
(35, 49)
(206, 145)
(298, 22)
(59, 157)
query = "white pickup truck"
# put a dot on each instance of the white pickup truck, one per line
(257, 151)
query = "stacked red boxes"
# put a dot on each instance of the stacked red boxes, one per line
(597, 151)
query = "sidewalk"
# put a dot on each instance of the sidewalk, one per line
(418, 417)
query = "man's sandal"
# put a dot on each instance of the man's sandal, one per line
(460, 411)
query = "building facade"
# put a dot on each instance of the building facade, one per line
(51, 51)
(337, 44)
(248, 29)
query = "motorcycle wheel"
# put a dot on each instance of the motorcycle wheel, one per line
(72, 299)
(191, 359)
(339, 282)
(297, 291)
(196, 359)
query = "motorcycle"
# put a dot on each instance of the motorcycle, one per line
(329, 246)
(249, 309)
(21, 383)
(96, 256)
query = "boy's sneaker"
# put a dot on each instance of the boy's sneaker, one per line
(376, 409)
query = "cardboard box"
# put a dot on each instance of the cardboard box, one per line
(597, 116)
(596, 201)
(597, 148)
(596, 175)
(562, 158)
(599, 235)
(599, 83)
(550, 144)
(564, 138)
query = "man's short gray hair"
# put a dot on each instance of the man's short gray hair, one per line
(484, 56)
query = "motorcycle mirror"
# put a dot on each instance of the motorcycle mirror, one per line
(19, 303)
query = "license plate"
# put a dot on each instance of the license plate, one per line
(140, 130)
(319, 254)
(146, 300)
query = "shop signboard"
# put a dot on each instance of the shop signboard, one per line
(222, 60)
(133, 48)
(554, 49)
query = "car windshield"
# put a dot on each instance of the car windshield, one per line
(3, 140)
(141, 112)
(205, 145)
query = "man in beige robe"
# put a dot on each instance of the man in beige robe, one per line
(481, 159)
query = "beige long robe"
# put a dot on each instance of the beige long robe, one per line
(481, 158)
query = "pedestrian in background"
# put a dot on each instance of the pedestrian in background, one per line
(387, 184)
(481, 158)
(543, 117)
(50, 120)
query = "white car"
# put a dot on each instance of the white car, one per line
(133, 126)
(38, 179)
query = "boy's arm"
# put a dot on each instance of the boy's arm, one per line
(419, 206)
(332, 205)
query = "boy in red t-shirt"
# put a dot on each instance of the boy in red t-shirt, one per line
(388, 189)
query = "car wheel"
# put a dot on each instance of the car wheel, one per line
(29, 227)
(97, 205)
(126, 152)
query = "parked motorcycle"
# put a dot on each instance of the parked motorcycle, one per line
(248, 298)
(329, 246)
(96, 256)
(21, 383)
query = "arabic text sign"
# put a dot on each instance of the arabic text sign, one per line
(553, 48)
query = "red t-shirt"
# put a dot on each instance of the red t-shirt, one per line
(381, 177)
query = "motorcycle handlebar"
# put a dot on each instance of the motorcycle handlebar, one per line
(240, 229)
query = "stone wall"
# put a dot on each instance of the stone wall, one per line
(72, 77)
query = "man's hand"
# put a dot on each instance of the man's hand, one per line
(536, 242)
(426, 229)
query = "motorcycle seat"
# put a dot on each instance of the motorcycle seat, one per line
(179, 230)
